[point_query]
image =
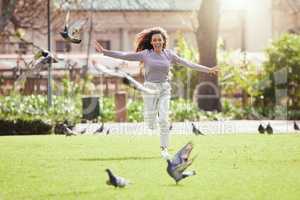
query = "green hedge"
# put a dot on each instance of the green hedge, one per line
(24, 127)
(281, 93)
(34, 107)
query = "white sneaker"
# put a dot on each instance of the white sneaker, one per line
(165, 154)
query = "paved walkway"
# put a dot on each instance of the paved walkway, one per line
(207, 127)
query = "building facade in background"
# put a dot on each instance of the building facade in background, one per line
(115, 23)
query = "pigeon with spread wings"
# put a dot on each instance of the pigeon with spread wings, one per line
(180, 162)
(71, 33)
(127, 79)
(39, 61)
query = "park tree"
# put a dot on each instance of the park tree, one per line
(27, 14)
(207, 93)
(22, 14)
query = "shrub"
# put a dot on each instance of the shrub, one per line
(282, 71)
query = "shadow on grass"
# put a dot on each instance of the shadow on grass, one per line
(173, 185)
(71, 193)
(121, 158)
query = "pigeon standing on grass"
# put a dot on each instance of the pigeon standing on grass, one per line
(116, 181)
(269, 129)
(296, 127)
(180, 162)
(82, 131)
(100, 129)
(196, 131)
(261, 129)
(67, 131)
(171, 127)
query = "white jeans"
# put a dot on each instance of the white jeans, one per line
(156, 107)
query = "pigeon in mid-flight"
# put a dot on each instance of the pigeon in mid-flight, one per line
(41, 53)
(115, 181)
(180, 162)
(41, 59)
(126, 78)
(195, 130)
(71, 33)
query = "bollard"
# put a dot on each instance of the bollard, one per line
(121, 110)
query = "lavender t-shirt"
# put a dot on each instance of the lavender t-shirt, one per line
(157, 65)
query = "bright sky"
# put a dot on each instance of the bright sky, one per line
(234, 4)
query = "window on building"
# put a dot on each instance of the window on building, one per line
(62, 46)
(105, 43)
(22, 48)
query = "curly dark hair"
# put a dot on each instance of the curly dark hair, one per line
(143, 39)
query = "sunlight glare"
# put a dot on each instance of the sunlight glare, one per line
(234, 4)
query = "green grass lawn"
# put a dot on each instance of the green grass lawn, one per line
(228, 167)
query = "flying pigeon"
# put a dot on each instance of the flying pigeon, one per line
(67, 131)
(41, 53)
(50, 57)
(296, 127)
(41, 59)
(135, 84)
(116, 181)
(180, 162)
(127, 82)
(269, 129)
(72, 33)
(126, 78)
(261, 129)
(196, 131)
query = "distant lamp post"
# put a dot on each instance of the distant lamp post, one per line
(49, 88)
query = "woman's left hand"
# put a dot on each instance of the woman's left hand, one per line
(214, 70)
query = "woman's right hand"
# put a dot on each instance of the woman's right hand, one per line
(99, 48)
(214, 71)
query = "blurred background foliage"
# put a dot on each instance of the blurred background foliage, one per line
(249, 91)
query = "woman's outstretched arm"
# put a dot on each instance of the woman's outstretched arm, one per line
(195, 66)
(131, 56)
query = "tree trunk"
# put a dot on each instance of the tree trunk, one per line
(207, 93)
(6, 11)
